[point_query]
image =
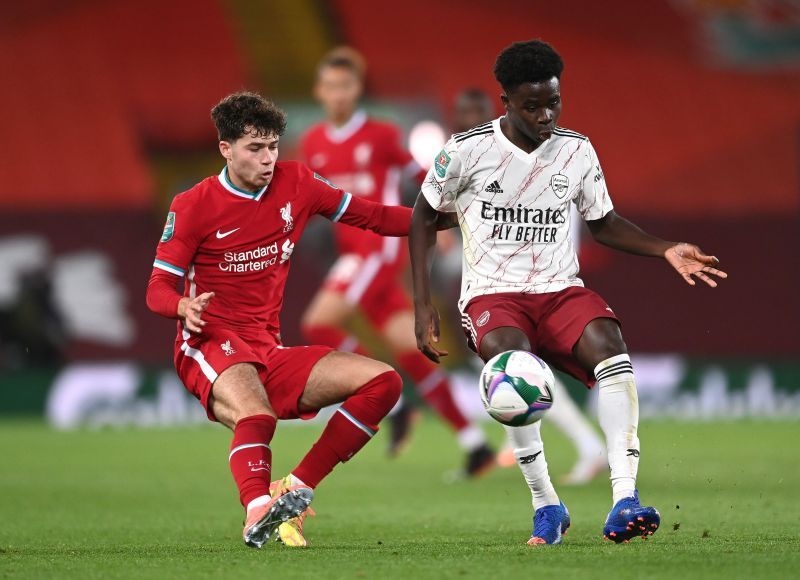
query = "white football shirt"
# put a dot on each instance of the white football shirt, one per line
(514, 207)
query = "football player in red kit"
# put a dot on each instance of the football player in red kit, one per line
(229, 239)
(365, 157)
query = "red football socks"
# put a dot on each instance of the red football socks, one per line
(251, 457)
(333, 337)
(350, 427)
(433, 386)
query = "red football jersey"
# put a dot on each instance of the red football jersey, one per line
(364, 157)
(238, 244)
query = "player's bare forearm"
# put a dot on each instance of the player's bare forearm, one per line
(616, 232)
(421, 241)
(688, 260)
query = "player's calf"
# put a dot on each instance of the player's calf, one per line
(350, 427)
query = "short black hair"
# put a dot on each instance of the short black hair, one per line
(533, 61)
(244, 113)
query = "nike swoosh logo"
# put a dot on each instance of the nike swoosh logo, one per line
(259, 469)
(220, 235)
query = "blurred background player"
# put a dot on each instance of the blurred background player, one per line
(365, 157)
(473, 107)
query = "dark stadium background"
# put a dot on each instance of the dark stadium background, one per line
(693, 106)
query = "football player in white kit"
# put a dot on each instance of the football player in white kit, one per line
(473, 107)
(512, 183)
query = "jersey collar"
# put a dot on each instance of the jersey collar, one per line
(225, 182)
(343, 133)
(520, 153)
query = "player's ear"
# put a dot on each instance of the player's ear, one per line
(225, 149)
(504, 98)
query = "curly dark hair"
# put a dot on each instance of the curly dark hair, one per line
(244, 113)
(533, 61)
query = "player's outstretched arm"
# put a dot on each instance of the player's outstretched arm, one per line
(689, 261)
(421, 241)
(387, 220)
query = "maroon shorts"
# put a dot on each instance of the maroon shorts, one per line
(372, 283)
(553, 322)
(283, 371)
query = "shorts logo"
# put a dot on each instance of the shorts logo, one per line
(559, 183)
(483, 319)
(169, 227)
(227, 348)
(441, 163)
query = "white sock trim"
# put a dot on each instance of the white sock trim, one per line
(259, 501)
(246, 446)
(613, 366)
(294, 480)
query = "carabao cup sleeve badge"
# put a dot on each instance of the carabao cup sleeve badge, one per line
(441, 163)
(169, 227)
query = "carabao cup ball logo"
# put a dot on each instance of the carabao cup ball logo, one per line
(516, 388)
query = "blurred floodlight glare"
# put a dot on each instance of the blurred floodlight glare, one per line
(425, 141)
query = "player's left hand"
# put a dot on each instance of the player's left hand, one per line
(426, 329)
(689, 260)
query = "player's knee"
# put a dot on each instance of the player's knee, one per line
(601, 340)
(385, 387)
(503, 339)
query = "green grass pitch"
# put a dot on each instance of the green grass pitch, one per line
(161, 503)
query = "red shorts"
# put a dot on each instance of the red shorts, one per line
(283, 371)
(372, 283)
(553, 322)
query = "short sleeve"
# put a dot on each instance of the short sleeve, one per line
(443, 182)
(179, 240)
(593, 201)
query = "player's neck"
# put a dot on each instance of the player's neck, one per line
(340, 121)
(237, 183)
(517, 138)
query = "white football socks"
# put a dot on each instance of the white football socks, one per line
(529, 451)
(618, 412)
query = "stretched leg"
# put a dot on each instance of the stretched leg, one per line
(369, 390)
(239, 401)
(602, 350)
(551, 518)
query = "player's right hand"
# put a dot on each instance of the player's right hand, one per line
(190, 311)
(426, 328)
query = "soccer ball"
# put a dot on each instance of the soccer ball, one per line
(516, 388)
